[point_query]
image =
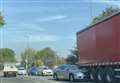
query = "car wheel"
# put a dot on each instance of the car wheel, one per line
(71, 78)
(15, 75)
(55, 76)
(42, 74)
(5, 75)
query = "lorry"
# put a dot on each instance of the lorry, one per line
(10, 69)
(99, 49)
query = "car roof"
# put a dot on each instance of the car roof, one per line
(68, 65)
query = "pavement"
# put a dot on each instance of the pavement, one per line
(21, 79)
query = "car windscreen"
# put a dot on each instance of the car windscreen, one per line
(73, 67)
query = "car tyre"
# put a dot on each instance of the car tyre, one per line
(15, 75)
(43, 74)
(5, 75)
(55, 76)
(71, 78)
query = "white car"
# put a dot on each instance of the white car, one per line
(68, 72)
(47, 71)
(22, 71)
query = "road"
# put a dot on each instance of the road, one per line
(20, 79)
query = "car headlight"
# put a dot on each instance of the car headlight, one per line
(44, 71)
(80, 74)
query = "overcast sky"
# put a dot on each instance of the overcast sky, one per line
(47, 23)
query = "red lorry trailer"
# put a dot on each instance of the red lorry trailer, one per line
(99, 49)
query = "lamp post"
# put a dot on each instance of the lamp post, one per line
(26, 56)
(26, 65)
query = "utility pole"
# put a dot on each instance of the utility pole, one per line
(27, 42)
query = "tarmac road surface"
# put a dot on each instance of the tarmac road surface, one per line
(21, 79)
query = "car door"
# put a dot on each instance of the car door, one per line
(65, 73)
(59, 72)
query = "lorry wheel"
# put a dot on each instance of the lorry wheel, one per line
(109, 75)
(101, 75)
(71, 78)
(93, 75)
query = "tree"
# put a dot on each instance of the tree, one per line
(108, 12)
(7, 55)
(44, 57)
(38, 63)
(2, 22)
(48, 56)
(29, 56)
(71, 59)
(60, 60)
(75, 53)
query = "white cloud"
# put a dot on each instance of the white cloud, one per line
(43, 38)
(52, 18)
(109, 2)
(33, 27)
(40, 38)
(24, 27)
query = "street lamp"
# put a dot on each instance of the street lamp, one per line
(26, 65)
(26, 58)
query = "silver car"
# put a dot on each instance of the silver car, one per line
(68, 72)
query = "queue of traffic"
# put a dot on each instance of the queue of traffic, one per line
(62, 72)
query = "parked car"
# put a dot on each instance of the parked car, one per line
(47, 71)
(68, 72)
(22, 71)
(33, 71)
(39, 73)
